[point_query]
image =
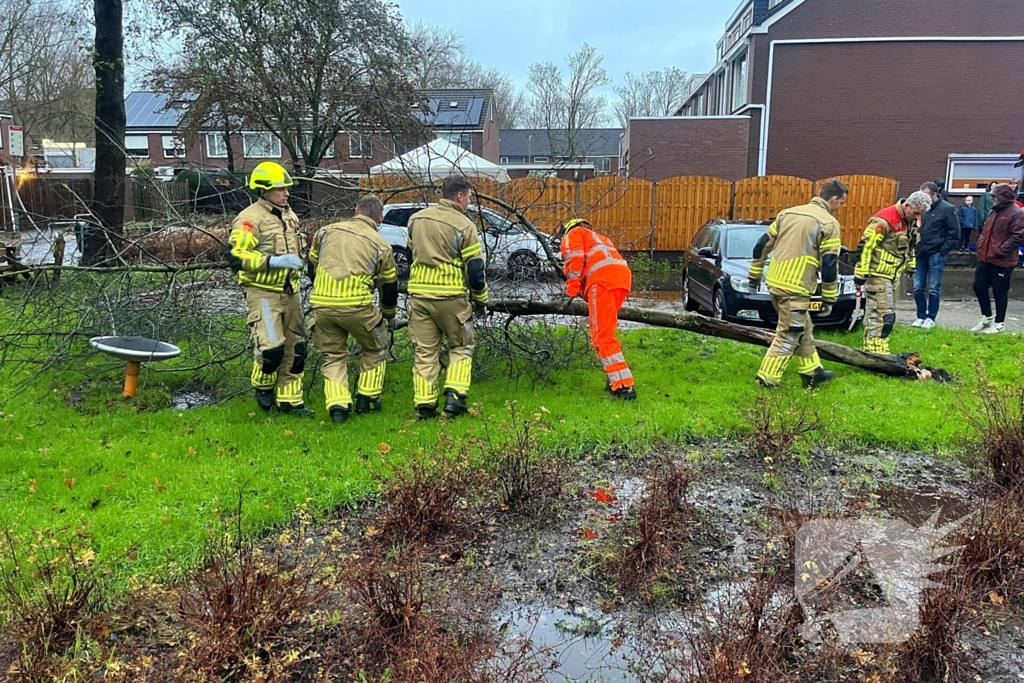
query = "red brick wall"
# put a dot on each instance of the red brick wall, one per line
(845, 108)
(687, 146)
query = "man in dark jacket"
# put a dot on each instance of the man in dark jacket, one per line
(968, 216)
(998, 254)
(939, 234)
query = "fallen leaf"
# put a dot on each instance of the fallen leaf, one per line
(605, 496)
(863, 657)
(995, 598)
(160, 488)
(32, 486)
(288, 432)
(69, 483)
(589, 534)
(384, 448)
(373, 531)
(86, 556)
(192, 452)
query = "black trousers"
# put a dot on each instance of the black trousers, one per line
(988, 276)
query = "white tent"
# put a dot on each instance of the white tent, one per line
(438, 159)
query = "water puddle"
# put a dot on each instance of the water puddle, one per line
(192, 399)
(917, 505)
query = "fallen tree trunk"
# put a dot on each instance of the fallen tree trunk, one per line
(894, 366)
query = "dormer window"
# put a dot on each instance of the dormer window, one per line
(454, 105)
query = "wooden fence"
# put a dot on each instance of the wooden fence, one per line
(155, 200)
(663, 216)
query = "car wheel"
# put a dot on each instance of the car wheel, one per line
(523, 265)
(719, 310)
(403, 262)
(688, 302)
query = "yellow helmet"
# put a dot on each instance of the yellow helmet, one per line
(269, 175)
(573, 222)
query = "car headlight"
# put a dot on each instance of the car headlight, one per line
(849, 287)
(739, 284)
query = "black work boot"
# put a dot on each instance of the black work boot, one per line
(365, 404)
(625, 393)
(820, 376)
(296, 409)
(265, 398)
(454, 403)
(427, 411)
(339, 415)
(766, 385)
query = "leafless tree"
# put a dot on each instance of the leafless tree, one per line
(571, 103)
(652, 93)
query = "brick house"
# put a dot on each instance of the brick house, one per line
(526, 150)
(464, 117)
(880, 87)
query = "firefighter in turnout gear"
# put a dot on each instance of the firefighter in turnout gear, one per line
(805, 240)
(886, 252)
(265, 252)
(348, 261)
(447, 258)
(594, 267)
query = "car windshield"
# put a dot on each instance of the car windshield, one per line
(740, 241)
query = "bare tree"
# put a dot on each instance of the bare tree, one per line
(570, 104)
(652, 93)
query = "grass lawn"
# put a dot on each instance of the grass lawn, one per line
(148, 486)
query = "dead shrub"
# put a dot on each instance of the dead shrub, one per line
(527, 477)
(993, 547)
(997, 419)
(240, 604)
(644, 543)
(49, 588)
(777, 424)
(429, 499)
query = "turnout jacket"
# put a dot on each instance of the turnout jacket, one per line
(804, 240)
(260, 231)
(590, 257)
(349, 261)
(887, 246)
(447, 257)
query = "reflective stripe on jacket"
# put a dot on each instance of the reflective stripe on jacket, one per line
(260, 231)
(443, 241)
(887, 246)
(352, 260)
(800, 238)
(590, 257)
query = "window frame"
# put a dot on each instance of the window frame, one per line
(210, 152)
(246, 144)
(359, 139)
(174, 149)
(128, 149)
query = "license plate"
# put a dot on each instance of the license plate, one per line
(816, 305)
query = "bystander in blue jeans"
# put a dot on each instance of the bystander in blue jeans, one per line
(928, 285)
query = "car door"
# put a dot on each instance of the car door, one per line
(706, 271)
(395, 226)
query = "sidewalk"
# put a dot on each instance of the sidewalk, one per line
(960, 315)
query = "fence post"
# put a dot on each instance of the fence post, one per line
(654, 213)
(576, 197)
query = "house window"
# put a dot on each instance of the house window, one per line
(401, 147)
(307, 142)
(601, 164)
(136, 145)
(216, 147)
(739, 86)
(463, 140)
(700, 104)
(261, 146)
(540, 160)
(723, 95)
(174, 147)
(360, 145)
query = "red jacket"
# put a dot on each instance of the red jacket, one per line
(1002, 237)
(591, 258)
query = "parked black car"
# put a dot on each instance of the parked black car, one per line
(715, 278)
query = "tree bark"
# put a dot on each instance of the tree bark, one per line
(693, 322)
(109, 178)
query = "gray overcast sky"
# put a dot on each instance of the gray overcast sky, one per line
(651, 34)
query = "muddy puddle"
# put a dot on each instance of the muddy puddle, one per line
(188, 400)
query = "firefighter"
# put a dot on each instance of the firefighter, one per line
(886, 252)
(265, 253)
(594, 267)
(447, 258)
(348, 261)
(805, 241)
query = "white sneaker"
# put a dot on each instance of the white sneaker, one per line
(928, 324)
(984, 324)
(996, 328)
(918, 323)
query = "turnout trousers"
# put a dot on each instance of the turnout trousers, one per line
(334, 325)
(432, 321)
(603, 304)
(279, 335)
(794, 336)
(879, 314)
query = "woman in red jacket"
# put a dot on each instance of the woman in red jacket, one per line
(998, 254)
(594, 267)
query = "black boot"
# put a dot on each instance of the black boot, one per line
(296, 409)
(265, 398)
(454, 404)
(820, 376)
(365, 404)
(427, 411)
(625, 394)
(339, 415)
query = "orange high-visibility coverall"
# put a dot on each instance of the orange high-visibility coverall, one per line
(594, 267)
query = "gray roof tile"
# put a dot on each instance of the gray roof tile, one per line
(590, 142)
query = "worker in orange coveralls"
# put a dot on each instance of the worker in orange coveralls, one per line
(594, 267)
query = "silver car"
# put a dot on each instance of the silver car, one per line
(509, 250)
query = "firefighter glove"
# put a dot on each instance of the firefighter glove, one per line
(289, 261)
(479, 310)
(826, 308)
(754, 284)
(859, 281)
(392, 323)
